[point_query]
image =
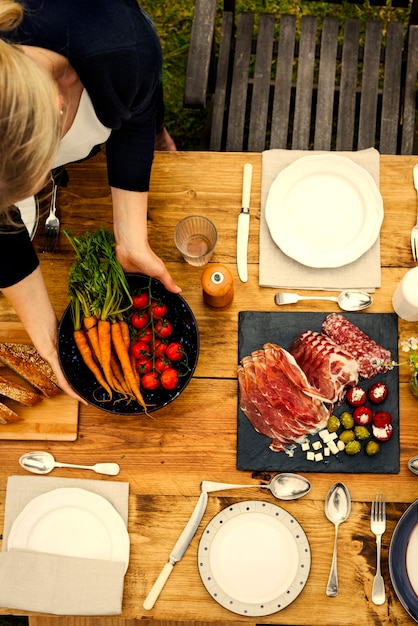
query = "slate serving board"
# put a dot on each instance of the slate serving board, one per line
(253, 453)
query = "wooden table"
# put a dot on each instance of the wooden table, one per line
(166, 457)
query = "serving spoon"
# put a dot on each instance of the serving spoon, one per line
(44, 462)
(337, 510)
(283, 486)
(348, 300)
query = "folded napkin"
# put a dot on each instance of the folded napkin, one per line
(47, 583)
(279, 270)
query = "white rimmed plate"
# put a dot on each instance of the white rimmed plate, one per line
(403, 560)
(254, 558)
(324, 211)
(71, 522)
(29, 211)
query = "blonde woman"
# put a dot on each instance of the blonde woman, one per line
(75, 74)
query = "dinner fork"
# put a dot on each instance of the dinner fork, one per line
(378, 527)
(52, 224)
(414, 231)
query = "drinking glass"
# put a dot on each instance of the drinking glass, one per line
(195, 237)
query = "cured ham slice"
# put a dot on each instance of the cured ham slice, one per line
(327, 366)
(372, 358)
(277, 398)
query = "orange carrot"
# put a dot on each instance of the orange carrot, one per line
(105, 350)
(118, 377)
(90, 326)
(125, 334)
(87, 356)
(125, 362)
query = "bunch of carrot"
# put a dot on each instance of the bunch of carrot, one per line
(100, 295)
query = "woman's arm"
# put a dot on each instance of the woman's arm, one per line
(31, 302)
(132, 248)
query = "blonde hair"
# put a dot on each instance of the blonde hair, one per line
(29, 117)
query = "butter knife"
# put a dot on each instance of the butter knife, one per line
(179, 549)
(244, 224)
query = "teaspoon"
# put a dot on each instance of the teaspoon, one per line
(348, 300)
(44, 462)
(413, 464)
(283, 486)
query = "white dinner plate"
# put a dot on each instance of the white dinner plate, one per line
(29, 211)
(71, 522)
(324, 211)
(403, 560)
(254, 558)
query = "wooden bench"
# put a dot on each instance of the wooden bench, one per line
(285, 81)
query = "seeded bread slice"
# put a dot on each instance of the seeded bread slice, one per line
(7, 416)
(26, 361)
(16, 392)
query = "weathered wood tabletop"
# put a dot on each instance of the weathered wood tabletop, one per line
(164, 458)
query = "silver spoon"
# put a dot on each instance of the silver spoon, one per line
(283, 486)
(44, 462)
(348, 300)
(413, 464)
(337, 510)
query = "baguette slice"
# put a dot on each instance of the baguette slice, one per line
(16, 392)
(28, 363)
(7, 416)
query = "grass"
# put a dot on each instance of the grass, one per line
(173, 19)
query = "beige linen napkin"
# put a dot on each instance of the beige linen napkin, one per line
(47, 583)
(279, 270)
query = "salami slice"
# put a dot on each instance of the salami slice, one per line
(372, 358)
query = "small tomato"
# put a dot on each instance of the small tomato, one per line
(139, 319)
(175, 351)
(144, 364)
(169, 378)
(140, 301)
(145, 334)
(140, 349)
(160, 347)
(158, 308)
(162, 363)
(163, 328)
(150, 381)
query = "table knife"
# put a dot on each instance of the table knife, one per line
(179, 549)
(244, 224)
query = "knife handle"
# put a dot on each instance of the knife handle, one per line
(157, 587)
(246, 185)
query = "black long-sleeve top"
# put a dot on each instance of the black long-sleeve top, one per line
(115, 51)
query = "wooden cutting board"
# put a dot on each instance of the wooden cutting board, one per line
(52, 419)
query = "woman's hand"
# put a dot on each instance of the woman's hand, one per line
(132, 248)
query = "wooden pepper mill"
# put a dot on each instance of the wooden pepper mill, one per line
(217, 286)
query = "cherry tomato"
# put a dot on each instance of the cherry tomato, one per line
(144, 364)
(140, 301)
(150, 381)
(145, 334)
(169, 378)
(139, 319)
(377, 393)
(162, 363)
(140, 349)
(356, 396)
(175, 351)
(158, 309)
(160, 347)
(362, 415)
(163, 328)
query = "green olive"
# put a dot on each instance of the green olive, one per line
(353, 447)
(361, 433)
(347, 435)
(372, 448)
(333, 424)
(347, 419)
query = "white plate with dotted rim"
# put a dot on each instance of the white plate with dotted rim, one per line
(254, 558)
